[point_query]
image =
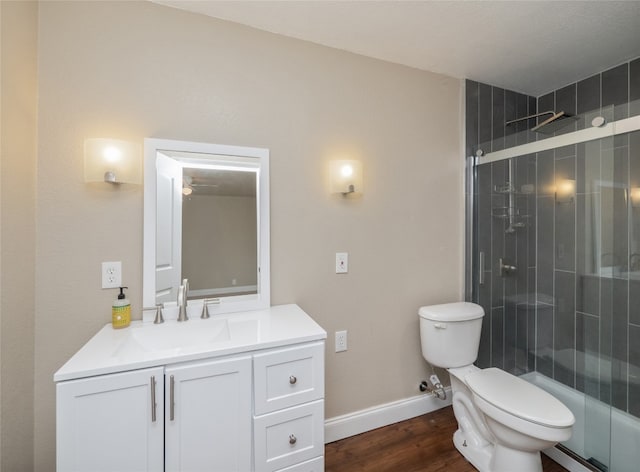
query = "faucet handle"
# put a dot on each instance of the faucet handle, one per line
(159, 318)
(205, 310)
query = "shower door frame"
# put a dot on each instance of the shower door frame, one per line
(473, 265)
(627, 125)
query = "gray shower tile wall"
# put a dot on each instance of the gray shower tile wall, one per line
(634, 360)
(634, 87)
(572, 310)
(487, 110)
(615, 91)
(614, 94)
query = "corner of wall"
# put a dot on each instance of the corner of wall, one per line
(18, 144)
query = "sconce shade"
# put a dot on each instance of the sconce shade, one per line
(113, 161)
(634, 196)
(565, 191)
(345, 176)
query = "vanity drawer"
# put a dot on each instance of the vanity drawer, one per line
(289, 437)
(288, 377)
(314, 465)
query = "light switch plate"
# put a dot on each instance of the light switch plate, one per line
(342, 262)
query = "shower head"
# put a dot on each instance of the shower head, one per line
(555, 122)
(552, 124)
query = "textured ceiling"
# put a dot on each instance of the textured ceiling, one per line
(528, 46)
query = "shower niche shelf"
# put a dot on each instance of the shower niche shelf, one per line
(510, 189)
(512, 215)
(510, 212)
(505, 213)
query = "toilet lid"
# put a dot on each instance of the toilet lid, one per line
(519, 398)
(451, 312)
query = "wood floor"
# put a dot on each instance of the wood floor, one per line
(422, 444)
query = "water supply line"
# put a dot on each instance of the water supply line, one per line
(436, 387)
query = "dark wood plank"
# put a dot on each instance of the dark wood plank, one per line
(422, 444)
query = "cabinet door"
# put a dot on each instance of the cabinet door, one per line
(208, 416)
(111, 423)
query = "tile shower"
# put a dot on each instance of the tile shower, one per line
(559, 274)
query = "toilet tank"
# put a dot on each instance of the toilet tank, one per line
(450, 333)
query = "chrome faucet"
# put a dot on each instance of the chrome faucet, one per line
(183, 293)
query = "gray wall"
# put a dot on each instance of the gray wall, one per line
(558, 310)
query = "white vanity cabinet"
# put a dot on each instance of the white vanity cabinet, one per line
(111, 422)
(208, 416)
(254, 402)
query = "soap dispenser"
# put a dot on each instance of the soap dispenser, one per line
(121, 311)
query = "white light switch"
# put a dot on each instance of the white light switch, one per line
(342, 262)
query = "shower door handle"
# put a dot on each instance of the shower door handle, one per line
(481, 268)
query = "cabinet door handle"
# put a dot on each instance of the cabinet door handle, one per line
(153, 399)
(292, 439)
(292, 379)
(172, 383)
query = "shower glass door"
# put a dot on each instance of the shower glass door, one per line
(556, 267)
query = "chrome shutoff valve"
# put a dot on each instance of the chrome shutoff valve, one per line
(436, 387)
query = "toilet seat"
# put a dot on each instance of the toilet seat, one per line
(516, 397)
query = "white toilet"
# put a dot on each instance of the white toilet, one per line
(503, 421)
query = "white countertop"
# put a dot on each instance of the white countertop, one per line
(116, 350)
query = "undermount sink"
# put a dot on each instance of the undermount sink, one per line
(175, 336)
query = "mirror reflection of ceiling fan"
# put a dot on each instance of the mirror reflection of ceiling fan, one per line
(218, 182)
(191, 184)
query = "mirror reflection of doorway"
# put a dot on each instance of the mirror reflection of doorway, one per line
(219, 232)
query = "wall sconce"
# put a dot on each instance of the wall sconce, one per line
(113, 161)
(634, 197)
(345, 177)
(565, 191)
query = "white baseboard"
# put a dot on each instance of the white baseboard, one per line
(340, 427)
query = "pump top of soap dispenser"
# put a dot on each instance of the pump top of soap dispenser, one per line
(121, 294)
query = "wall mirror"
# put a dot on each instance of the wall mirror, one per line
(206, 219)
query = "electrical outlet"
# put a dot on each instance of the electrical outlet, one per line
(341, 341)
(111, 274)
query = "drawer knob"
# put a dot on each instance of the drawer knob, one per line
(292, 379)
(292, 439)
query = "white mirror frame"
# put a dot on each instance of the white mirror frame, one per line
(227, 304)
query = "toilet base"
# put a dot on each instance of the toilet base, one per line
(478, 456)
(506, 460)
(496, 458)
